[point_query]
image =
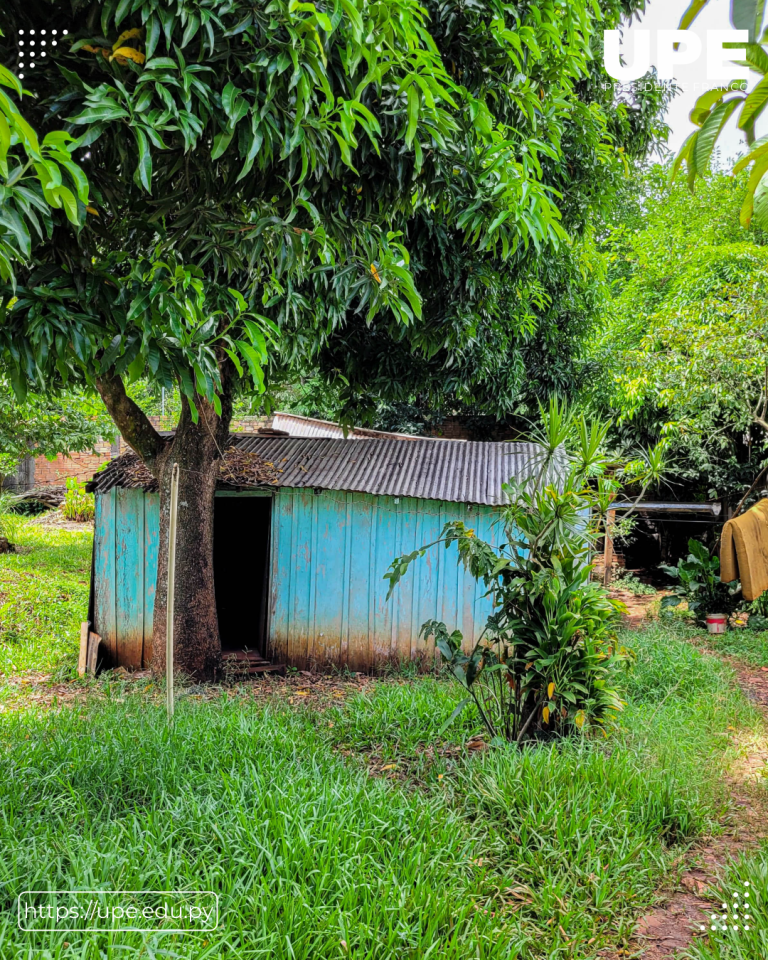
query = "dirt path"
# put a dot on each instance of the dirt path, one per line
(670, 927)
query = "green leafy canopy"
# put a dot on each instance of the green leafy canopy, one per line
(231, 147)
(35, 176)
(714, 108)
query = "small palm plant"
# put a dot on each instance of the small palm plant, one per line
(545, 661)
(78, 504)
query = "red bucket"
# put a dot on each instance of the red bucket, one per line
(717, 622)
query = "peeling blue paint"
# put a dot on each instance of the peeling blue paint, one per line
(327, 595)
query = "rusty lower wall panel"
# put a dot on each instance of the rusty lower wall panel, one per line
(327, 593)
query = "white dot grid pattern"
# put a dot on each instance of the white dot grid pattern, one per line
(27, 56)
(721, 922)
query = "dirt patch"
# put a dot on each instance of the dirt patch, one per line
(55, 518)
(411, 769)
(753, 681)
(40, 690)
(640, 607)
(751, 764)
(672, 926)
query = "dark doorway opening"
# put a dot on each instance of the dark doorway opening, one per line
(661, 539)
(241, 531)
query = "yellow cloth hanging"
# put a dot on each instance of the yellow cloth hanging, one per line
(744, 551)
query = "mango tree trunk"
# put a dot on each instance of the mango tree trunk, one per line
(197, 449)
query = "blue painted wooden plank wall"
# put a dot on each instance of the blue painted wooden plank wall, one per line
(329, 553)
(328, 594)
(151, 539)
(125, 570)
(104, 574)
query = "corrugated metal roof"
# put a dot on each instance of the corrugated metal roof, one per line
(467, 472)
(299, 426)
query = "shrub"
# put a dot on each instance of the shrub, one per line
(699, 585)
(544, 661)
(630, 583)
(78, 505)
(10, 520)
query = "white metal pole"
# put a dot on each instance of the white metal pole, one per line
(171, 589)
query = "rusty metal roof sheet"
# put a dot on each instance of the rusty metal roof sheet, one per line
(468, 472)
(299, 426)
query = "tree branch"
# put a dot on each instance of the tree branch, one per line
(527, 723)
(756, 481)
(131, 421)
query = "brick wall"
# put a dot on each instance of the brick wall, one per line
(81, 465)
(243, 425)
(474, 428)
(46, 473)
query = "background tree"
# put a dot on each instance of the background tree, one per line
(235, 152)
(35, 178)
(46, 426)
(495, 336)
(714, 108)
(682, 352)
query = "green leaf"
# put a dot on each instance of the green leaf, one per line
(698, 550)
(161, 63)
(710, 131)
(102, 112)
(456, 711)
(703, 106)
(759, 149)
(756, 57)
(10, 219)
(691, 13)
(5, 142)
(760, 204)
(253, 360)
(346, 156)
(153, 35)
(193, 25)
(79, 179)
(145, 159)
(684, 154)
(413, 113)
(19, 383)
(229, 95)
(69, 203)
(123, 9)
(754, 104)
(756, 175)
(220, 143)
(744, 16)
(253, 149)
(242, 306)
(8, 79)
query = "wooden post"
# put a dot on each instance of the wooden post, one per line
(171, 587)
(82, 659)
(93, 652)
(608, 554)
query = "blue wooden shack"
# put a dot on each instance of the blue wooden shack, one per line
(299, 564)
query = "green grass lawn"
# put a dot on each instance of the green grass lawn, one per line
(749, 875)
(550, 852)
(43, 599)
(751, 646)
